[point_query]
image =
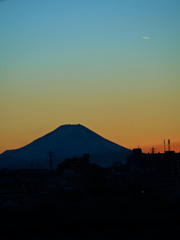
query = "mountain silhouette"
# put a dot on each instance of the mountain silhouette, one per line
(66, 141)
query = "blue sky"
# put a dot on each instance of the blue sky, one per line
(90, 35)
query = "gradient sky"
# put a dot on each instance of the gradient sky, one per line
(110, 65)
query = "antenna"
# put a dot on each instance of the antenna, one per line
(164, 146)
(169, 145)
(50, 159)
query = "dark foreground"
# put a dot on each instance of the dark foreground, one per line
(142, 219)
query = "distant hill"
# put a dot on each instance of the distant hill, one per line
(66, 141)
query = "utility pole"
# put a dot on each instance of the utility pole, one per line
(50, 153)
(153, 150)
(31, 165)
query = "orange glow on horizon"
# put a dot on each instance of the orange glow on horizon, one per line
(25, 136)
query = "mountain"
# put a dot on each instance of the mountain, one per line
(66, 141)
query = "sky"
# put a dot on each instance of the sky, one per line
(110, 65)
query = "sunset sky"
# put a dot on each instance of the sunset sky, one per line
(110, 65)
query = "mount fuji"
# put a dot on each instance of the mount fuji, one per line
(66, 141)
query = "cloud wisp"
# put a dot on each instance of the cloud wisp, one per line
(146, 37)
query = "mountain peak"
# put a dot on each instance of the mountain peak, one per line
(67, 141)
(70, 128)
(71, 125)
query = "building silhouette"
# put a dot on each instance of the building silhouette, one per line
(165, 164)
